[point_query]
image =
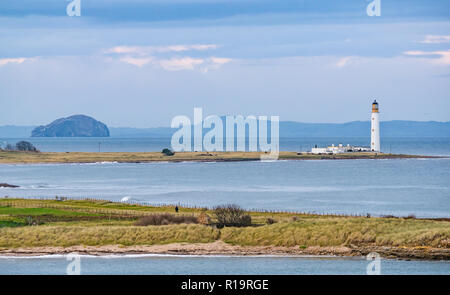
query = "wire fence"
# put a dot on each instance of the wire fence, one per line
(141, 207)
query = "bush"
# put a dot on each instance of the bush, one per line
(231, 215)
(25, 146)
(203, 218)
(167, 152)
(165, 219)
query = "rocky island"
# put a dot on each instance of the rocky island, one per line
(73, 126)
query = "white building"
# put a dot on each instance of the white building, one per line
(374, 138)
(338, 149)
(375, 128)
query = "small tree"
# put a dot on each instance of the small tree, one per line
(167, 152)
(231, 215)
(25, 146)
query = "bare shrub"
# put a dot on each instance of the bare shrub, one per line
(270, 221)
(165, 219)
(167, 152)
(231, 215)
(389, 216)
(203, 218)
(26, 146)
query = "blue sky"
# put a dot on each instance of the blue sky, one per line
(139, 63)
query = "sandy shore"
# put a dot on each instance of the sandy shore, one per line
(221, 248)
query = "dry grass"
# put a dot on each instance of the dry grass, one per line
(329, 231)
(65, 236)
(165, 219)
(71, 222)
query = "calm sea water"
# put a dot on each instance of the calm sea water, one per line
(198, 265)
(396, 186)
(407, 145)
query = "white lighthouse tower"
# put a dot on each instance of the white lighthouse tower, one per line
(375, 128)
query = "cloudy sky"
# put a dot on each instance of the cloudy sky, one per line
(139, 63)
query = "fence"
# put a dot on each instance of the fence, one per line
(24, 204)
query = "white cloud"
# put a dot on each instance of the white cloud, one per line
(142, 55)
(125, 50)
(436, 39)
(139, 62)
(435, 57)
(177, 64)
(18, 60)
(214, 63)
(220, 60)
(346, 61)
(145, 50)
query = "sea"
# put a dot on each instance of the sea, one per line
(215, 265)
(400, 187)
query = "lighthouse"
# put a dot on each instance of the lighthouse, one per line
(375, 128)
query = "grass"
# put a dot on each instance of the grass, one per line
(329, 231)
(95, 223)
(40, 211)
(11, 157)
(66, 236)
(165, 219)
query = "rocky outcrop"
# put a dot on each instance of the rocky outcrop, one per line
(73, 126)
(7, 185)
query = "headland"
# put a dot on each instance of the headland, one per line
(19, 157)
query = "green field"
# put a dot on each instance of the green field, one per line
(38, 223)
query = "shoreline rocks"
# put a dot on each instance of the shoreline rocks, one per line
(8, 185)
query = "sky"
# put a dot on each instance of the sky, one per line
(140, 63)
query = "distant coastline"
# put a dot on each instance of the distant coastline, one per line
(288, 129)
(16, 157)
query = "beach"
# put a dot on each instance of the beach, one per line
(221, 248)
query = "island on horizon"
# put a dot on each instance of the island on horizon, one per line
(73, 126)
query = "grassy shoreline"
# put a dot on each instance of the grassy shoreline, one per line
(33, 227)
(16, 157)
